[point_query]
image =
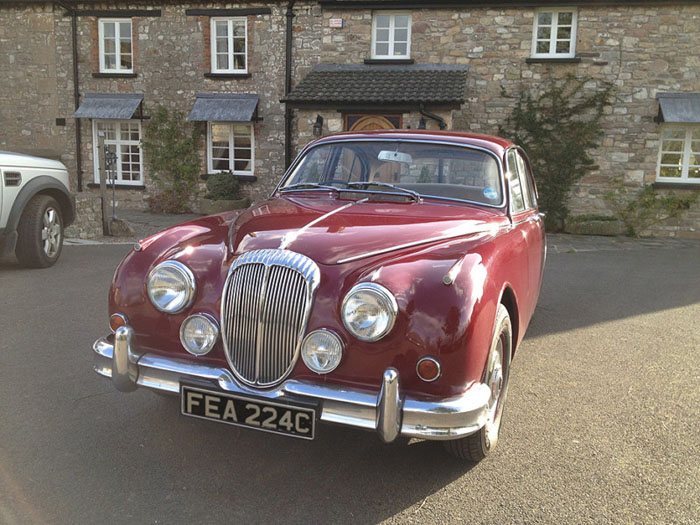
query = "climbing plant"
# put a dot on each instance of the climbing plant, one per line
(558, 124)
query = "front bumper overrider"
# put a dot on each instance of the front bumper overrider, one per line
(388, 412)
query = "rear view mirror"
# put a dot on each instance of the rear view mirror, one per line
(395, 156)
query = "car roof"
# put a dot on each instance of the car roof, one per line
(495, 144)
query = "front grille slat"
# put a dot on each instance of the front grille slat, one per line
(264, 310)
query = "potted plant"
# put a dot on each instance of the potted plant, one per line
(223, 194)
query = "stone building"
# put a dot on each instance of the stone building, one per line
(260, 83)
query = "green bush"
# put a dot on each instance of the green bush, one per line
(223, 186)
(170, 145)
(558, 125)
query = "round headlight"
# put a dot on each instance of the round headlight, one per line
(198, 334)
(171, 287)
(369, 311)
(322, 351)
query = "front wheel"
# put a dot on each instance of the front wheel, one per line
(40, 233)
(476, 447)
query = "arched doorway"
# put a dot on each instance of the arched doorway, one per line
(365, 122)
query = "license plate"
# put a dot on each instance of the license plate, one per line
(248, 412)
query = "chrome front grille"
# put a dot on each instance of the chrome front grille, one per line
(264, 309)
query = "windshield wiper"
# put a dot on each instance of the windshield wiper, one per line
(308, 185)
(414, 195)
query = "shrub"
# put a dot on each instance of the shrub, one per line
(223, 186)
(170, 145)
(558, 126)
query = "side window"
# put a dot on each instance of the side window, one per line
(517, 197)
(527, 181)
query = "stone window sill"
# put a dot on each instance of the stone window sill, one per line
(389, 61)
(114, 75)
(118, 186)
(227, 76)
(574, 60)
(676, 186)
(242, 178)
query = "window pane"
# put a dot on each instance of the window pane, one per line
(694, 173)
(125, 30)
(672, 158)
(544, 33)
(239, 61)
(125, 62)
(566, 18)
(220, 164)
(563, 46)
(400, 49)
(382, 35)
(401, 35)
(110, 61)
(696, 134)
(241, 131)
(383, 21)
(543, 46)
(109, 46)
(694, 160)
(221, 61)
(564, 33)
(401, 21)
(673, 145)
(239, 29)
(108, 29)
(239, 45)
(221, 29)
(222, 45)
(241, 165)
(674, 134)
(667, 171)
(382, 49)
(544, 19)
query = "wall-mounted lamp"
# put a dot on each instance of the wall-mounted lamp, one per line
(318, 126)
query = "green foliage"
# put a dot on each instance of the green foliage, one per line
(558, 125)
(641, 209)
(223, 186)
(170, 144)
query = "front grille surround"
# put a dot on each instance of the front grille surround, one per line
(265, 307)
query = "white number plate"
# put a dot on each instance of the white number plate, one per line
(248, 412)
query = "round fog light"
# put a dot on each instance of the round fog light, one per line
(322, 351)
(428, 369)
(198, 334)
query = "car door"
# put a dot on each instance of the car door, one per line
(537, 241)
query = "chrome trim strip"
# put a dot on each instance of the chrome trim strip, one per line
(292, 236)
(437, 419)
(499, 162)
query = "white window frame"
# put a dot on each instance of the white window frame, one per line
(552, 53)
(231, 159)
(230, 39)
(117, 33)
(686, 153)
(118, 142)
(392, 27)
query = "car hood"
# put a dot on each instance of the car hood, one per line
(334, 231)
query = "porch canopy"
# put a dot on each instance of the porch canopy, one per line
(120, 106)
(386, 86)
(222, 107)
(679, 107)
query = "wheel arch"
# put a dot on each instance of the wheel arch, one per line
(510, 302)
(43, 185)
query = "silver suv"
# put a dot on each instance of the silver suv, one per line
(35, 207)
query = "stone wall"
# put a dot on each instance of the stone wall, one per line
(88, 222)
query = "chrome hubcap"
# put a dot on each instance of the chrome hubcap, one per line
(51, 232)
(495, 382)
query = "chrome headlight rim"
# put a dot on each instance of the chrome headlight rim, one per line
(208, 318)
(384, 294)
(188, 279)
(329, 333)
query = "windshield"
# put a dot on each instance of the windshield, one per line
(431, 170)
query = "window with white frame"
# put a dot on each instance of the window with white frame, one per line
(116, 47)
(229, 45)
(230, 147)
(123, 139)
(391, 35)
(554, 33)
(679, 154)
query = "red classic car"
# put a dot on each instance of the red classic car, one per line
(384, 285)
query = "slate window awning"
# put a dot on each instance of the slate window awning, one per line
(225, 107)
(679, 107)
(121, 106)
(391, 86)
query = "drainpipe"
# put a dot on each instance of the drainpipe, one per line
(288, 87)
(441, 122)
(76, 92)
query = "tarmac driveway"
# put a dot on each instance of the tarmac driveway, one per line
(602, 422)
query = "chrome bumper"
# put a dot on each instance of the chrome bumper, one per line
(388, 412)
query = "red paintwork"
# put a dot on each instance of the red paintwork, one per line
(452, 323)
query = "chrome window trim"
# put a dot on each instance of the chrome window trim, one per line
(190, 281)
(499, 163)
(381, 290)
(270, 257)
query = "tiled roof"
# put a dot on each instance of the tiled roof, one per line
(371, 84)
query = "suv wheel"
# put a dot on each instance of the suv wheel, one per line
(40, 233)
